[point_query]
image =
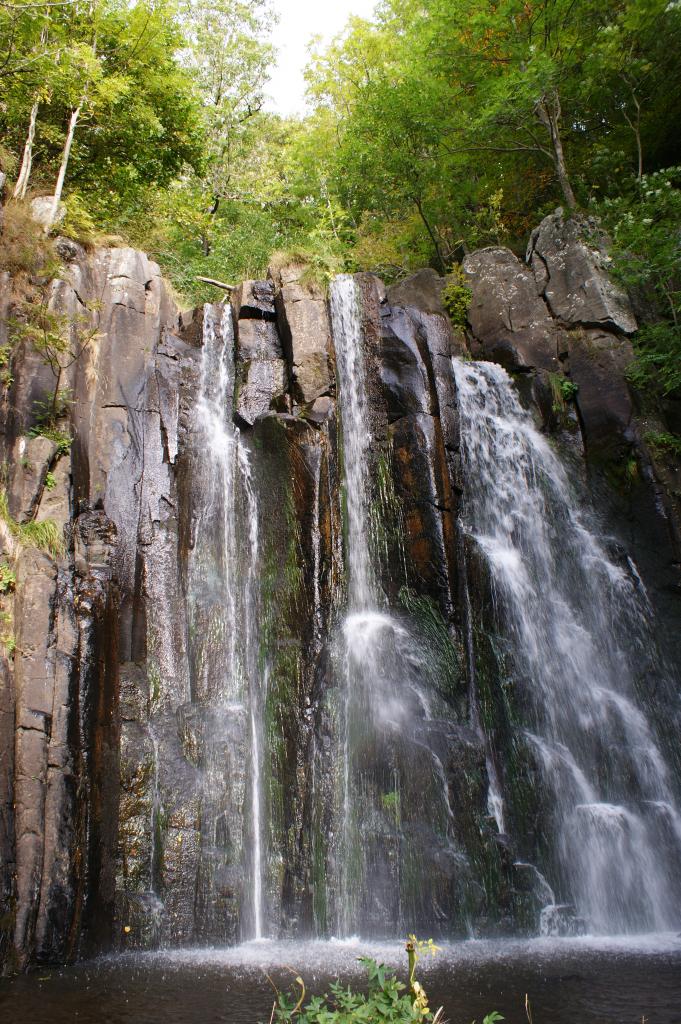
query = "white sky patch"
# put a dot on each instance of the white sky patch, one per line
(299, 21)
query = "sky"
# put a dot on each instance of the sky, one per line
(299, 20)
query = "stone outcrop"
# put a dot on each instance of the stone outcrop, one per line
(562, 315)
(569, 260)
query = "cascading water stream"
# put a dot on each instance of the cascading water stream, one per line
(392, 745)
(223, 597)
(577, 623)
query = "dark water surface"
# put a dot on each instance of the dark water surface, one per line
(568, 981)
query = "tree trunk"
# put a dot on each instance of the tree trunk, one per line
(436, 245)
(27, 156)
(64, 164)
(548, 111)
(636, 129)
(55, 397)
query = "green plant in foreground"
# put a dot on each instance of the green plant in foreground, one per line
(50, 481)
(387, 999)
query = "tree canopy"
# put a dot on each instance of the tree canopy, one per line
(435, 127)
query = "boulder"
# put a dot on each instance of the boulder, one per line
(571, 268)
(41, 211)
(320, 410)
(55, 499)
(508, 318)
(305, 333)
(32, 459)
(68, 250)
(561, 920)
(422, 291)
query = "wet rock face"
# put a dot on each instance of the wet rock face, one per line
(560, 314)
(69, 633)
(598, 363)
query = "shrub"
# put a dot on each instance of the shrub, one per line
(456, 296)
(24, 248)
(78, 223)
(8, 578)
(646, 252)
(45, 535)
(668, 443)
(563, 391)
(321, 264)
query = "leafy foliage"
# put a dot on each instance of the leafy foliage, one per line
(644, 223)
(436, 127)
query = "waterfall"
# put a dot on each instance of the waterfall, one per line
(577, 621)
(223, 600)
(355, 418)
(397, 855)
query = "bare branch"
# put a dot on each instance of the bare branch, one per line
(217, 284)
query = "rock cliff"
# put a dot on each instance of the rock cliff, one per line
(107, 729)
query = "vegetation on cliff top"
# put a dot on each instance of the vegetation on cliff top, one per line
(439, 126)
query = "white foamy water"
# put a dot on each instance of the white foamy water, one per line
(577, 622)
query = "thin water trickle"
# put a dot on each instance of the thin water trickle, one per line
(257, 826)
(578, 624)
(223, 600)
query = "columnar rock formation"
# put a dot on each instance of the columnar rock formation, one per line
(106, 734)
